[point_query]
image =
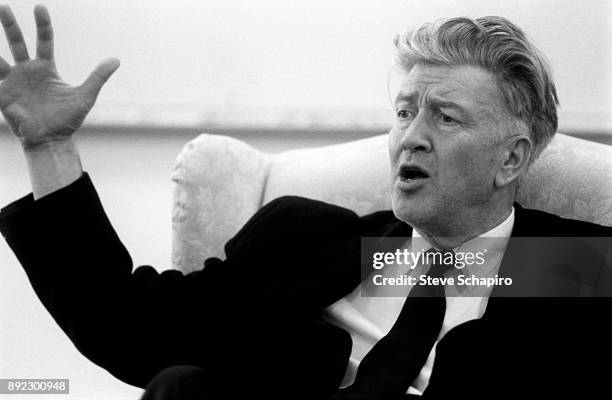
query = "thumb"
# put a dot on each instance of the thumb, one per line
(98, 77)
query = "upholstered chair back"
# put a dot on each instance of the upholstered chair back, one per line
(220, 182)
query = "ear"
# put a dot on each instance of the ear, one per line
(515, 156)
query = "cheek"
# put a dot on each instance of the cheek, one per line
(468, 166)
(394, 144)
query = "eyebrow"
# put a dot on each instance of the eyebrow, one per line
(410, 97)
(437, 102)
(442, 103)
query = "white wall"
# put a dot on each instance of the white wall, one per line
(193, 61)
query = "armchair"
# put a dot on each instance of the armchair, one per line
(220, 182)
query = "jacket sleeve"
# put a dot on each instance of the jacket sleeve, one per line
(132, 323)
(136, 322)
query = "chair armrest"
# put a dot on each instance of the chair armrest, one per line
(219, 184)
(572, 178)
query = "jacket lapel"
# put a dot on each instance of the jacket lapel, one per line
(542, 266)
(339, 275)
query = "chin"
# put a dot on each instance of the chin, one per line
(416, 211)
(405, 209)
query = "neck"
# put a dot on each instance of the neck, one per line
(453, 235)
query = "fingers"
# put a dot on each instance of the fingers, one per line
(13, 34)
(5, 68)
(44, 33)
(94, 82)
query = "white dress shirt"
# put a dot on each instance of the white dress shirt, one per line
(370, 318)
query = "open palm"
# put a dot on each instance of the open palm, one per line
(37, 105)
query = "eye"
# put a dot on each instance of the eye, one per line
(404, 114)
(446, 119)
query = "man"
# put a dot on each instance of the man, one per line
(476, 105)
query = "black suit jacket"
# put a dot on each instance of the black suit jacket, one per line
(253, 321)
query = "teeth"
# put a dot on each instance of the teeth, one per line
(412, 173)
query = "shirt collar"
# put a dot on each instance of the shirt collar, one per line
(495, 245)
(501, 230)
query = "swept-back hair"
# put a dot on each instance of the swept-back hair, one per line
(500, 47)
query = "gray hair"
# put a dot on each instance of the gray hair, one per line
(500, 47)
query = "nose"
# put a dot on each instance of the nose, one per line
(416, 137)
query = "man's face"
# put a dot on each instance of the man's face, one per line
(445, 147)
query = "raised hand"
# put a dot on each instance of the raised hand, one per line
(36, 103)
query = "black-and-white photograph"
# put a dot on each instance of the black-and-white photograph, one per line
(317, 200)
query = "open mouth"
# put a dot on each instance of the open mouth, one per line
(412, 172)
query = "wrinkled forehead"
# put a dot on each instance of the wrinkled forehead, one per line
(469, 87)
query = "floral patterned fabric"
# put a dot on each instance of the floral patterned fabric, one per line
(220, 182)
(219, 185)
